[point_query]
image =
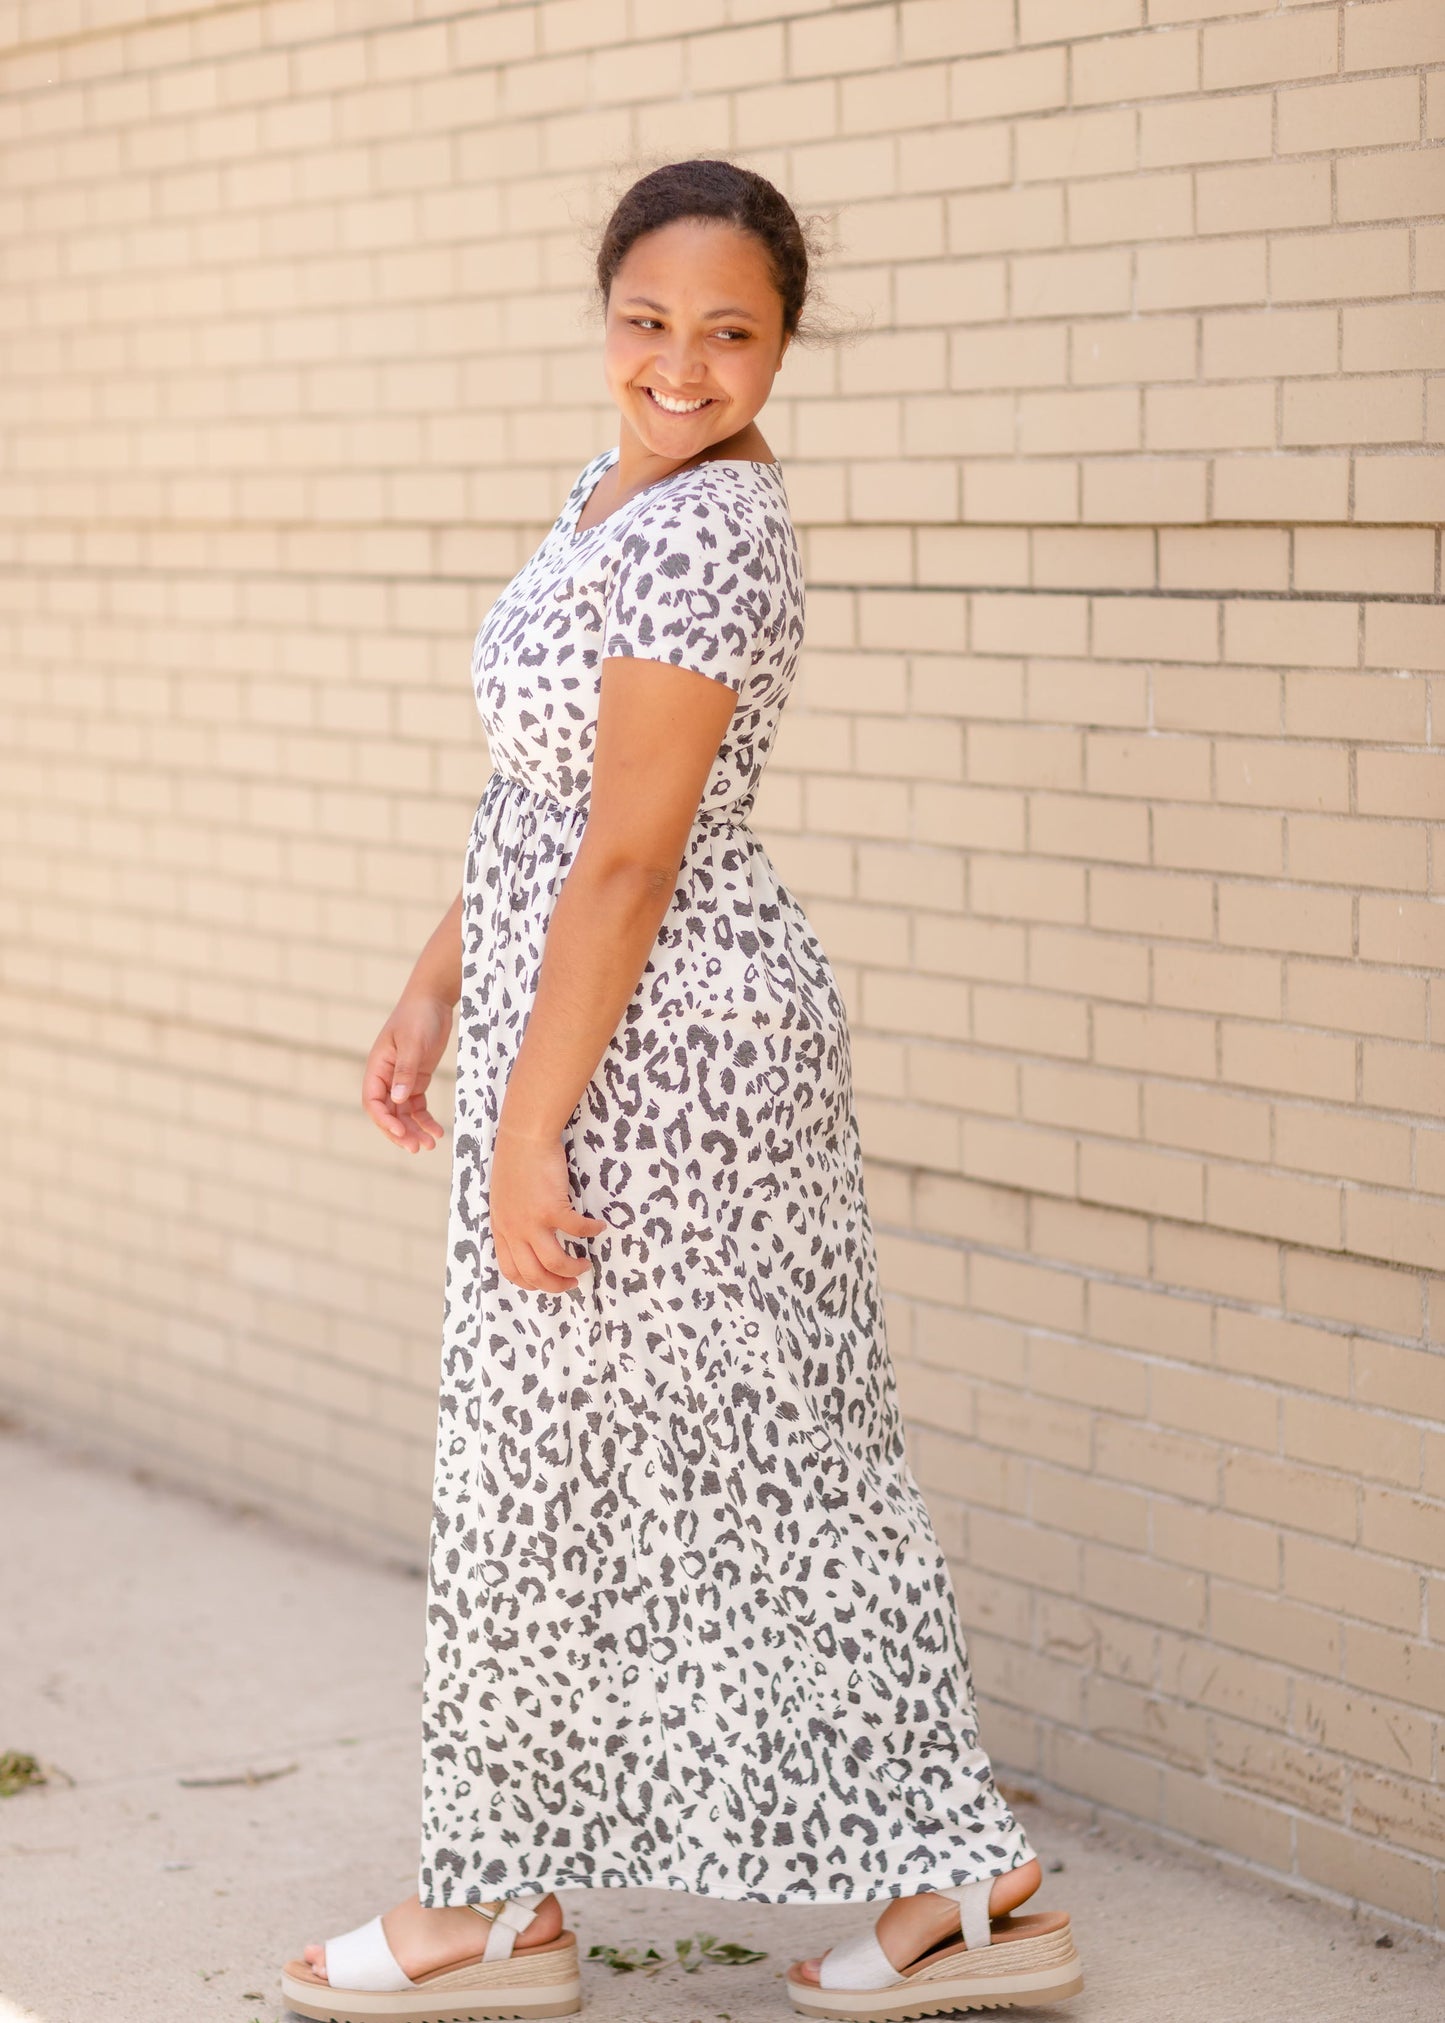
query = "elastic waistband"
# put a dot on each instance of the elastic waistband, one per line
(499, 783)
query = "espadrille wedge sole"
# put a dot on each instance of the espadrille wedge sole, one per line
(365, 1983)
(1011, 1963)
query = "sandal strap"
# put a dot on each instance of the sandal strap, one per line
(507, 1916)
(860, 1962)
(972, 1900)
(362, 1960)
(857, 1962)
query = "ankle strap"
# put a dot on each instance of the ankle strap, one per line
(507, 1917)
(972, 1900)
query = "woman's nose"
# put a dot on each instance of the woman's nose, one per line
(681, 366)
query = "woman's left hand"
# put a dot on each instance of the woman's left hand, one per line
(530, 1201)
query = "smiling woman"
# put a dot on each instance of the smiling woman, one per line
(688, 1621)
(699, 317)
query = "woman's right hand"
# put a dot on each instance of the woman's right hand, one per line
(400, 1066)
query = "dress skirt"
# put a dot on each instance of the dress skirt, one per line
(688, 1623)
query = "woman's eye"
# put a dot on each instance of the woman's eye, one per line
(653, 323)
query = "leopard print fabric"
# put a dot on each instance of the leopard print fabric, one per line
(688, 1623)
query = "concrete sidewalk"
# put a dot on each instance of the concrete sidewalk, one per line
(151, 1636)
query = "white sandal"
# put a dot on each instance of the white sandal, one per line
(365, 1984)
(1000, 1963)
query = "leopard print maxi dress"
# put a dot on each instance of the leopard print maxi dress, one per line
(688, 1623)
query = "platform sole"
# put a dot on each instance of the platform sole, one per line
(1015, 1975)
(563, 1998)
(545, 1981)
(952, 2005)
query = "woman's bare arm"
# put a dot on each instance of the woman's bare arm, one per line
(405, 1052)
(658, 732)
(437, 971)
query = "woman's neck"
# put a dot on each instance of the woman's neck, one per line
(637, 466)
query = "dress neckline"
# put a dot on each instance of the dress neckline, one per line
(576, 533)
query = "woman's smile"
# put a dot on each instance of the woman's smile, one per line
(671, 403)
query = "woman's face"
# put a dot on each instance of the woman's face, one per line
(694, 336)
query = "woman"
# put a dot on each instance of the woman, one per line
(688, 1623)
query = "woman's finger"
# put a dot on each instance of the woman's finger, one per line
(519, 1265)
(376, 1076)
(577, 1224)
(415, 1115)
(552, 1257)
(505, 1264)
(384, 1117)
(376, 1081)
(406, 1074)
(536, 1276)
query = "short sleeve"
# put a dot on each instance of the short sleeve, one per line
(698, 582)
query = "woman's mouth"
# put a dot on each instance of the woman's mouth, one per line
(670, 405)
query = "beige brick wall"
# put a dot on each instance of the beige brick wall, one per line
(1112, 782)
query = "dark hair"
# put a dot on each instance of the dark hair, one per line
(712, 189)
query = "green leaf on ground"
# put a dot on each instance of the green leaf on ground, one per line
(723, 1953)
(691, 1953)
(17, 1770)
(627, 1959)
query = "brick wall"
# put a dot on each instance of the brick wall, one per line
(1111, 782)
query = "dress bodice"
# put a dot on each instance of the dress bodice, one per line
(700, 568)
